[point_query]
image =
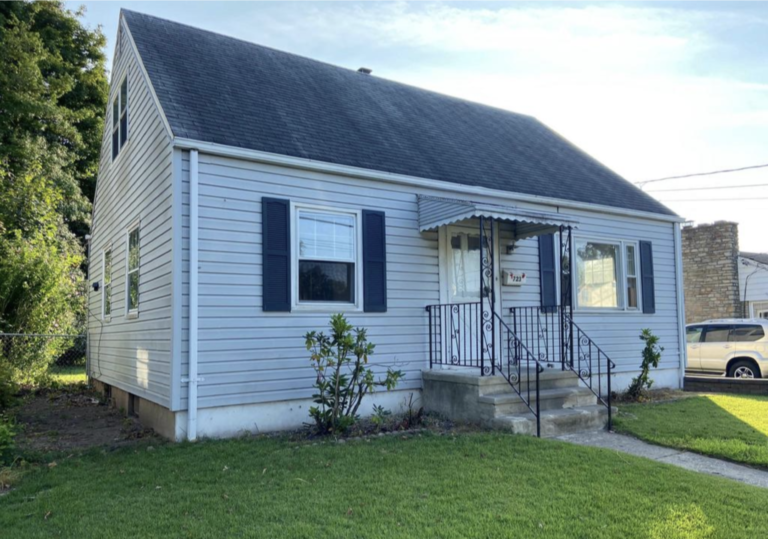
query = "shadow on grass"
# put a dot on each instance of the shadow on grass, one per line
(724, 426)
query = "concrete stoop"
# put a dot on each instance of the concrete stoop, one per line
(463, 395)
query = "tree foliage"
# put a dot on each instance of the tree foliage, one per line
(651, 357)
(53, 94)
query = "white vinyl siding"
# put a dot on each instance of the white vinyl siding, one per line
(134, 354)
(247, 355)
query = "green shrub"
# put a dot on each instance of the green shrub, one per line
(343, 378)
(651, 357)
(7, 434)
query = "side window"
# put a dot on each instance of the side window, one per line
(693, 334)
(120, 118)
(747, 333)
(106, 290)
(132, 273)
(717, 334)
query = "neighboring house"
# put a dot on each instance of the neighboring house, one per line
(246, 194)
(753, 283)
(720, 280)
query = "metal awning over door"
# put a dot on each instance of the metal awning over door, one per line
(437, 211)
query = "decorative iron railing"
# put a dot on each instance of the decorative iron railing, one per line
(456, 336)
(541, 330)
(520, 367)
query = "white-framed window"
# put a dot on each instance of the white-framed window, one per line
(120, 118)
(133, 262)
(606, 274)
(106, 289)
(327, 270)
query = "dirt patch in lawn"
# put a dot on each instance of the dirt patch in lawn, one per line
(72, 419)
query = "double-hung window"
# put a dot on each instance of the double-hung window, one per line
(607, 275)
(327, 256)
(132, 271)
(106, 290)
(120, 119)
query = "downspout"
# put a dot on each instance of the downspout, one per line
(680, 302)
(193, 296)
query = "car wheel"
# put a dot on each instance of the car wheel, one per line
(743, 369)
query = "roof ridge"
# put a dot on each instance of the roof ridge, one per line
(336, 66)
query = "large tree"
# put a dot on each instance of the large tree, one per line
(53, 93)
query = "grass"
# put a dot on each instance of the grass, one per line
(68, 375)
(733, 427)
(469, 485)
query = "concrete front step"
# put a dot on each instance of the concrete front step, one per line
(556, 422)
(500, 404)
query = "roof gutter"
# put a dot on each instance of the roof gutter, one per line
(402, 179)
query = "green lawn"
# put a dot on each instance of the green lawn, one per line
(734, 427)
(470, 485)
(68, 375)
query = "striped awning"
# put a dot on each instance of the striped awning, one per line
(435, 212)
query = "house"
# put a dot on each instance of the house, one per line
(720, 280)
(245, 194)
(753, 282)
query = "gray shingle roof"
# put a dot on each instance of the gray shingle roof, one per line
(220, 89)
(761, 258)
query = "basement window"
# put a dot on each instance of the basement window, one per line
(120, 119)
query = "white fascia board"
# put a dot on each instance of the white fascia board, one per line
(356, 172)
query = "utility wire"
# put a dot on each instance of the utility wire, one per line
(710, 173)
(709, 188)
(714, 199)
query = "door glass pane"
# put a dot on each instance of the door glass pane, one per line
(693, 335)
(717, 334)
(326, 281)
(465, 266)
(597, 267)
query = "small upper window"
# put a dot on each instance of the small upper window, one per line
(327, 256)
(120, 119)
(106, 290)
(132, 277)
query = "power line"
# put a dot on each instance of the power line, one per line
(709, 188)
(710, 173)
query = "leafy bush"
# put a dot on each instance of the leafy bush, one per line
(340, 361)
(7, 434)
(651, 357)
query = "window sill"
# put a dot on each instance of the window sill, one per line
(327, 308)
(132, 315)
(582, 310)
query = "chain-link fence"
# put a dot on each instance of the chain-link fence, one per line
(25, 349)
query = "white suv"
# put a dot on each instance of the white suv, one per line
(736, 347)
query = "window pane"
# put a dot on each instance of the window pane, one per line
(115, 112)
(326, 236)
(107, 299)
(717, 334)
(693, 334)
(107, 267)
(631, 267)
(632, 292)
(326, 281)
(133, 290)
(115, 143)
(124, 95)
(133, 249)
(597, 269)
(747, 333)
(123, 130)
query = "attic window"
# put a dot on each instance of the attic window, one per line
(120, 119)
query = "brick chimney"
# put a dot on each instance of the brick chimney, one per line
(711, 271)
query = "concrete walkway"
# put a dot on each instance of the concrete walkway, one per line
(683, 459)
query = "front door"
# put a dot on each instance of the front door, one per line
(461, 284)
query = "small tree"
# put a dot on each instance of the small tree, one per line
(340, 361)
(651, 357)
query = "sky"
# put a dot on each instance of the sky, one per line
(649, 89)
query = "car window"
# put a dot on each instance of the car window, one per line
(747, 333)
(693, 334)
(717, 334)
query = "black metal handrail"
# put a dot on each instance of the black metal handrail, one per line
(588, 365)
(512, 369)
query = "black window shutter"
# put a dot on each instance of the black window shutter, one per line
(276, 254)
(646, 272)
(547, 271)
(374, 262)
